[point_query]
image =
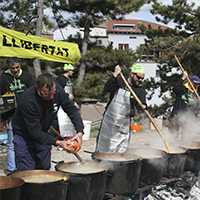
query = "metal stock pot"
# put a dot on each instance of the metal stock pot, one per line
(153, 164)
(43, 184)
(192, 162)
(175, 162)
(123, 174)
(87, 180)
(10, 188)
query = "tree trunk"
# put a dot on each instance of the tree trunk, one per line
(38, 32)
(82, 67)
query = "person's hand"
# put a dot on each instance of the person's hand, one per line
(185, 75)
(5, 125)
(143, 106)
(78, 137)
(76, 105)
(117, 71)
(66, 145)
(71, 97)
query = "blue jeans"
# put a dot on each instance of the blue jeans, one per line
(10, 148)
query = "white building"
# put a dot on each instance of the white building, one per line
(123, 34)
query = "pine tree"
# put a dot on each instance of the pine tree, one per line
(183, 41)
(88, 13)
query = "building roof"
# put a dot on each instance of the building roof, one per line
(130, 22)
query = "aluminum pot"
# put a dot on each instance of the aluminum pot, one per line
(123, 174)
(87, 180)
(10, 188)
(153, 164)
(43, 184)
(192, 162)
(175, 162)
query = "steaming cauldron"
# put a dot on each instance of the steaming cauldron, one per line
(192, 162)
(153, 164)
(10, 188)
(87, 180)
(175, 162)
(42, 184)
(123, 174)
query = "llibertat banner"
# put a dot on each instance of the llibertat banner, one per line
(17, 44)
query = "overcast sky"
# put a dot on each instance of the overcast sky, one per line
(145, 14)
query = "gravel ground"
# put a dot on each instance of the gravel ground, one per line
(144, 137)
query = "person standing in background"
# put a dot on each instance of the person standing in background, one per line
(65, 81)
(186, 100)
(13, 80)
(66, 127)
(114, 132)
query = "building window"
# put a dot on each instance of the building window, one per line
(149, 54)
(127, 27)
(99, 41)
(132, 37)
(159, 72)
(123, 46)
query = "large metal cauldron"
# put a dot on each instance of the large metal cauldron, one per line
(123, 174)
(153, 164)
(175, 162)
(43, 184)
(192, 162)
(87, 180)
(10, 188)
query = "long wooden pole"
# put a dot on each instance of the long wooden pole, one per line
(187, 77)
(62, 138)
(147, 113)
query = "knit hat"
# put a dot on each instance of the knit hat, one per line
(195, 79)
(68, 67)
(138, 69)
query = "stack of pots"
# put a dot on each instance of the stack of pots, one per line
(153, 164)
(87, 180)
(10, 188)
(42, 184)
(123, 174)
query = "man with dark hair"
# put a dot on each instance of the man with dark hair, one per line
(37, 110)
(13, 80)
(114, 132)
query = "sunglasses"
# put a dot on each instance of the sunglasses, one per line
(48, 95)
(139, 77)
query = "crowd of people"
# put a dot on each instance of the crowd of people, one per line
(38, 104)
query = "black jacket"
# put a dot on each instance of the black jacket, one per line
(114, 83)
(34, 115)
(184, 98)
(64, 81)
(9, 83)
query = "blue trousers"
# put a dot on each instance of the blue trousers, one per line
(30, 155)
(10, 147)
